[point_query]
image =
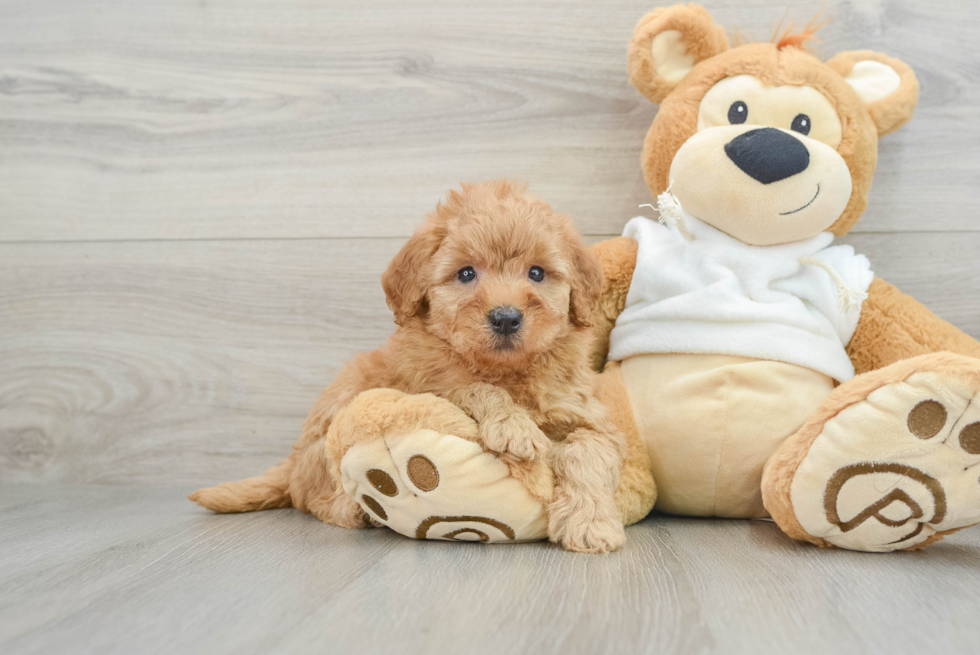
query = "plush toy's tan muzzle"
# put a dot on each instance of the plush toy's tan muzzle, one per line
(761, 185)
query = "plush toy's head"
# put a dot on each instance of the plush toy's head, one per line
(763, 141)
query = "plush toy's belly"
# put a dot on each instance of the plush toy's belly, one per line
(710, 422)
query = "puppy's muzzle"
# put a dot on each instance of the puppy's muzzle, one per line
(505, 321)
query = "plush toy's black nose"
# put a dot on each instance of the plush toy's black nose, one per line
(768, 155)
(505, 321)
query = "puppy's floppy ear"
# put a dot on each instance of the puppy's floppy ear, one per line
(404, 281)
(586, 280)
(667, 43)
(887, 86)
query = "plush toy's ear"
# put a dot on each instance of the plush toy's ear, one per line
(885, 85)
(666, 45)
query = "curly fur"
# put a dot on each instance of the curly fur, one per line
(534, 390)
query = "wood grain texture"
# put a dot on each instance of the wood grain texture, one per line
(242, 118)
(197, 199)
(162, 362)
(147, 572)
(150, 362)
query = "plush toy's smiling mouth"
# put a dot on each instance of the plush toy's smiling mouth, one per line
(804, 206)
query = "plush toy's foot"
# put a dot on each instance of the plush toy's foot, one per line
(409, 474)
(891, 460)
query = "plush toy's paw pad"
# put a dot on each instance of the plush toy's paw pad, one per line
(429, 485)
(515, 436)
(892, 471)
(578, 524)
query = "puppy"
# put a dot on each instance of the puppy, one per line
(492, 297)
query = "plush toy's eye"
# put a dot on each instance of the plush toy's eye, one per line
(801, 124)
(738, 113)
(466, 275)
(536, 273)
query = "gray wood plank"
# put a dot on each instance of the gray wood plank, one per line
(102, 569)
(196, 202)
(171, 362)
(243, 118)
(158, 359)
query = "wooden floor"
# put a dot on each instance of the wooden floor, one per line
(197, 199)
(136, 569)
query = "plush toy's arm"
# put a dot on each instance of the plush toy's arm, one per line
(618, 259)
(895, 326)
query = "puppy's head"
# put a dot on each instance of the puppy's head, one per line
(495, 274)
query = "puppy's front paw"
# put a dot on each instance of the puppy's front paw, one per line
(579, 525)
(516, 436)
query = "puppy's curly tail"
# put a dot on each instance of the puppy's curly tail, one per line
(267, 491)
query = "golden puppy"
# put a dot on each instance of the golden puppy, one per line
(493, 296)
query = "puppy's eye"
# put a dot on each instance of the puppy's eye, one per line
(536, 273)
(801, 124)
(466, 275)
(738, 113)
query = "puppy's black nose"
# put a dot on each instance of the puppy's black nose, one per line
(768, 155)
(505, 320)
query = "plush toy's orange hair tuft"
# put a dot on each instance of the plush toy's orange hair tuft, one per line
(790, 38)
